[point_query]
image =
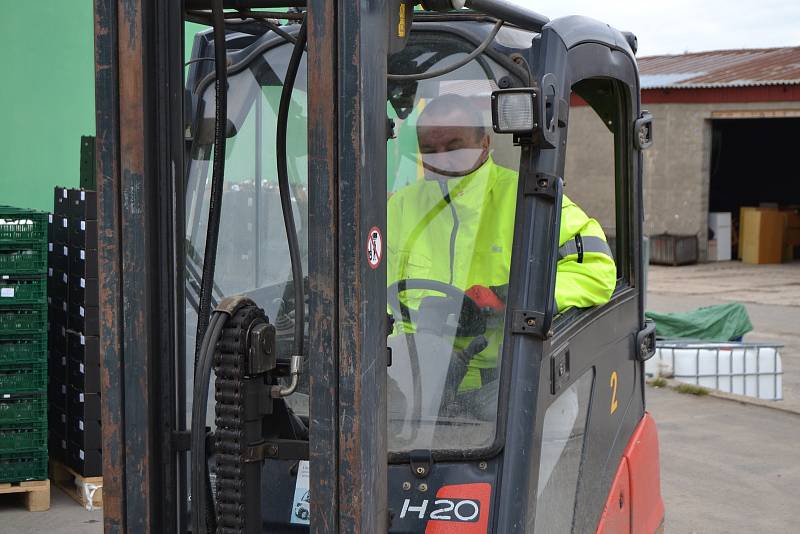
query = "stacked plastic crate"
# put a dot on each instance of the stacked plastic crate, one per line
(23, 345)
(75, 350)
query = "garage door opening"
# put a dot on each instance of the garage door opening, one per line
(754, 163)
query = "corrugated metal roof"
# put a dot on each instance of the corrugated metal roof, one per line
(722, 68)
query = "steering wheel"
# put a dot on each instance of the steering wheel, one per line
(471, 321)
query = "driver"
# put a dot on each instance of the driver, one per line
(456, 226)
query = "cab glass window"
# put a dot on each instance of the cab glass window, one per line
(594, 172)
(452, 189)
(253, 251)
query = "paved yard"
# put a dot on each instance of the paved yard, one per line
(726, 467)
(64, 517)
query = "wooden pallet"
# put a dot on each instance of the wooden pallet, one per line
(36, 493)
(80, 488)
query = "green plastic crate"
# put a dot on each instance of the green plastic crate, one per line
(20, 438)
(18, 226)
(23, 378)
(20, 466)
(25, 320)
(22, 291)
(29, 260)
(28, 349)
(23, 408)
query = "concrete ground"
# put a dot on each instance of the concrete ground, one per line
(64, 517)
(726, 467)
(771, 294)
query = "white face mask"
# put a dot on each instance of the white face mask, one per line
(453, 163)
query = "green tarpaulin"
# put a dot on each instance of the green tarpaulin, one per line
(725, 322)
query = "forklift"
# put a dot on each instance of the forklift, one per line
(267, 367)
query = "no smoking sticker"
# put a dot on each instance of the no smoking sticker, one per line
(374, 247)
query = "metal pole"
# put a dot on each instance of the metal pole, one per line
(347, 166)
(362, 65)
(107, 172)
(139, 69)
(323, 347)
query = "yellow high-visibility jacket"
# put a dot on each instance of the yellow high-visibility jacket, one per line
(465, 239)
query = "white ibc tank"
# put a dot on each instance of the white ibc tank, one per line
(749, 369)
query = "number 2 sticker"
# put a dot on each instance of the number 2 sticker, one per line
(613, 385)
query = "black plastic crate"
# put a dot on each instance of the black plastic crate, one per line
(84, 320)
(83, 263)
(58, 256)
(23, 378)
(88, 179)
(83, 291)
(58, 233)
(57, 446)
(668, 249)
(58, 368)
(83, 348)
(58, 311)
(20, 466)
(57, 338)
(23, 349)
(84, 376)
(82, 204)
(23, 408)
(85, 433)
(83, 234)
(87, 463)
(57, 420)
(22, 438)
(23, 260)
(58, 393)
(23, 290)
(57, 283)
(23, 320)
(22, 227)
(60, 201)
(83, 405)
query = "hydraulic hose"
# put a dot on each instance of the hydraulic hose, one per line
(283, 187)
(202, 509)
(457, 65)
(217, 175)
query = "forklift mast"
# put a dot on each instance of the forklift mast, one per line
(244, 266)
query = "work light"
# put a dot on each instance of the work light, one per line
(514, 111)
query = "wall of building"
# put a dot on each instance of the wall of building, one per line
(46, 97)
(676, 168)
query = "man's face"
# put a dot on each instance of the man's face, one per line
(449, 150)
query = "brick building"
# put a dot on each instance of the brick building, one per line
(727, 134)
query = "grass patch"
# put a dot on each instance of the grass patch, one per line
(691, 389)
(658, 382)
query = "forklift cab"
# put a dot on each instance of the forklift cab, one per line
(513, 418)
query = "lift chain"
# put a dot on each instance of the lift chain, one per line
(241, 402)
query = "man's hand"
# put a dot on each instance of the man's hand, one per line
(485, 298)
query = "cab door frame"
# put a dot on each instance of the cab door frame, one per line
(567, 51)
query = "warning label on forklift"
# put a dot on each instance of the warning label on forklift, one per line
(374, 247)
(301, 506)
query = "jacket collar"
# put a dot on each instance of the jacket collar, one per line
(482, 180)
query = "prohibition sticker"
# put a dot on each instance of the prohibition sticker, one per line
(374, 247)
